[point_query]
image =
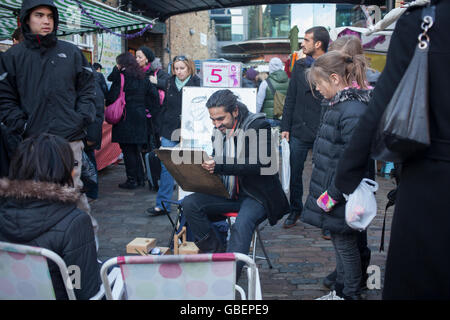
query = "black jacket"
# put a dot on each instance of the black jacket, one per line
(417, 262)
(169, 119)
(132, 129)
(336, 129)
(46, 215)
(94, 130)
(301, 113)
(255, 176)
(46, 85)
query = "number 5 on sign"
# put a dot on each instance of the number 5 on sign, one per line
(221, 75)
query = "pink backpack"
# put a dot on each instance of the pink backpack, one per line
(114, 112)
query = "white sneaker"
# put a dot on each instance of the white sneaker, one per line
(331, 296)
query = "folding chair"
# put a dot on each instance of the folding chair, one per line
(180, 277)
(25, 274)
(256, 237)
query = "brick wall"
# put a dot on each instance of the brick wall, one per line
(180, 40)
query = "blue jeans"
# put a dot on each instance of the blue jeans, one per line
(200, 209)
(348, 263)
(299, 151)
(274, 122)
(166, 181)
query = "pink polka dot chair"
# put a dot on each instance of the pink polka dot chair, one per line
(24, 273)
(179, 277)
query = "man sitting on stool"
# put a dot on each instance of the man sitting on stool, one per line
(242, 157)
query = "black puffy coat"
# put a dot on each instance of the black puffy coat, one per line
(132, 129)
(336, 129)
(418, 263)
(46, 85)
(169, 119)
(302, 109)
(45, 215)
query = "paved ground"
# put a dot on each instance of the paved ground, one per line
(299, 255)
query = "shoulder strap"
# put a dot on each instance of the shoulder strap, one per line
(122, 82)
(269, 83)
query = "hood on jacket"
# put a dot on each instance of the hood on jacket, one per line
(279, 76)
(349, 94)
(275, 64)
(27, 6)
(29, 208)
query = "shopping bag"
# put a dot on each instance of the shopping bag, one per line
(404, 127)
(285, 166)
(361, 206)
(115, 111)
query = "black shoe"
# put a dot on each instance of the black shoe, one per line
(291, 220)
(330, 280)
(326, 234)
(141, 183)
(153, 212)
(129, 184)
(210, 244)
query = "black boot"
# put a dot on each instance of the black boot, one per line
(129, 184)
(210, 244)
(330, 280)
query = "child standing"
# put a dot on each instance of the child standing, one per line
(333, 74)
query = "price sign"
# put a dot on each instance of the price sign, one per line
(221, 75)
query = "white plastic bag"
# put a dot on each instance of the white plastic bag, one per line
(285, 166)
(361, 206)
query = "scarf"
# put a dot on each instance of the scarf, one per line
(180, 84)
(230, 152)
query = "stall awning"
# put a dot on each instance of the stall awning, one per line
(164, 9)
(72, 20)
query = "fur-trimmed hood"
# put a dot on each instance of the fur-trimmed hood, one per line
(349, 94)
(37, 190)
(29, 209)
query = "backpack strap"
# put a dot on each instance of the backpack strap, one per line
(269, 83)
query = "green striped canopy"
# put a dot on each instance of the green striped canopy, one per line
(71, 20)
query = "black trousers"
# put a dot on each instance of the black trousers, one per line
(133, 161)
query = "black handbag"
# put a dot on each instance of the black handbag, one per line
(404, 126)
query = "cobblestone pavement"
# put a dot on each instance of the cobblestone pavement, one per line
(299, 255)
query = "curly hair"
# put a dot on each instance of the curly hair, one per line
(129, 65)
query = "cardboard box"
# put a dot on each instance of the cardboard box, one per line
(141, 245)
(186, 247)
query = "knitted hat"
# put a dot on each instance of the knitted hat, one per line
(251, 74)
(148, 53)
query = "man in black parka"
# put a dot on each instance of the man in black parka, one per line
(47, 85)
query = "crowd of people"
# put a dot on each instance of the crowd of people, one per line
(52, 104)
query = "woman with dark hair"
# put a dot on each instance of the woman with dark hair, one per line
(131, 131)
(169, 121)
(38, 207)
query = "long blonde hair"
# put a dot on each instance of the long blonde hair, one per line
(349, 68)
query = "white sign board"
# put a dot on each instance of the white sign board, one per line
(221, 74)
(196, 126)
